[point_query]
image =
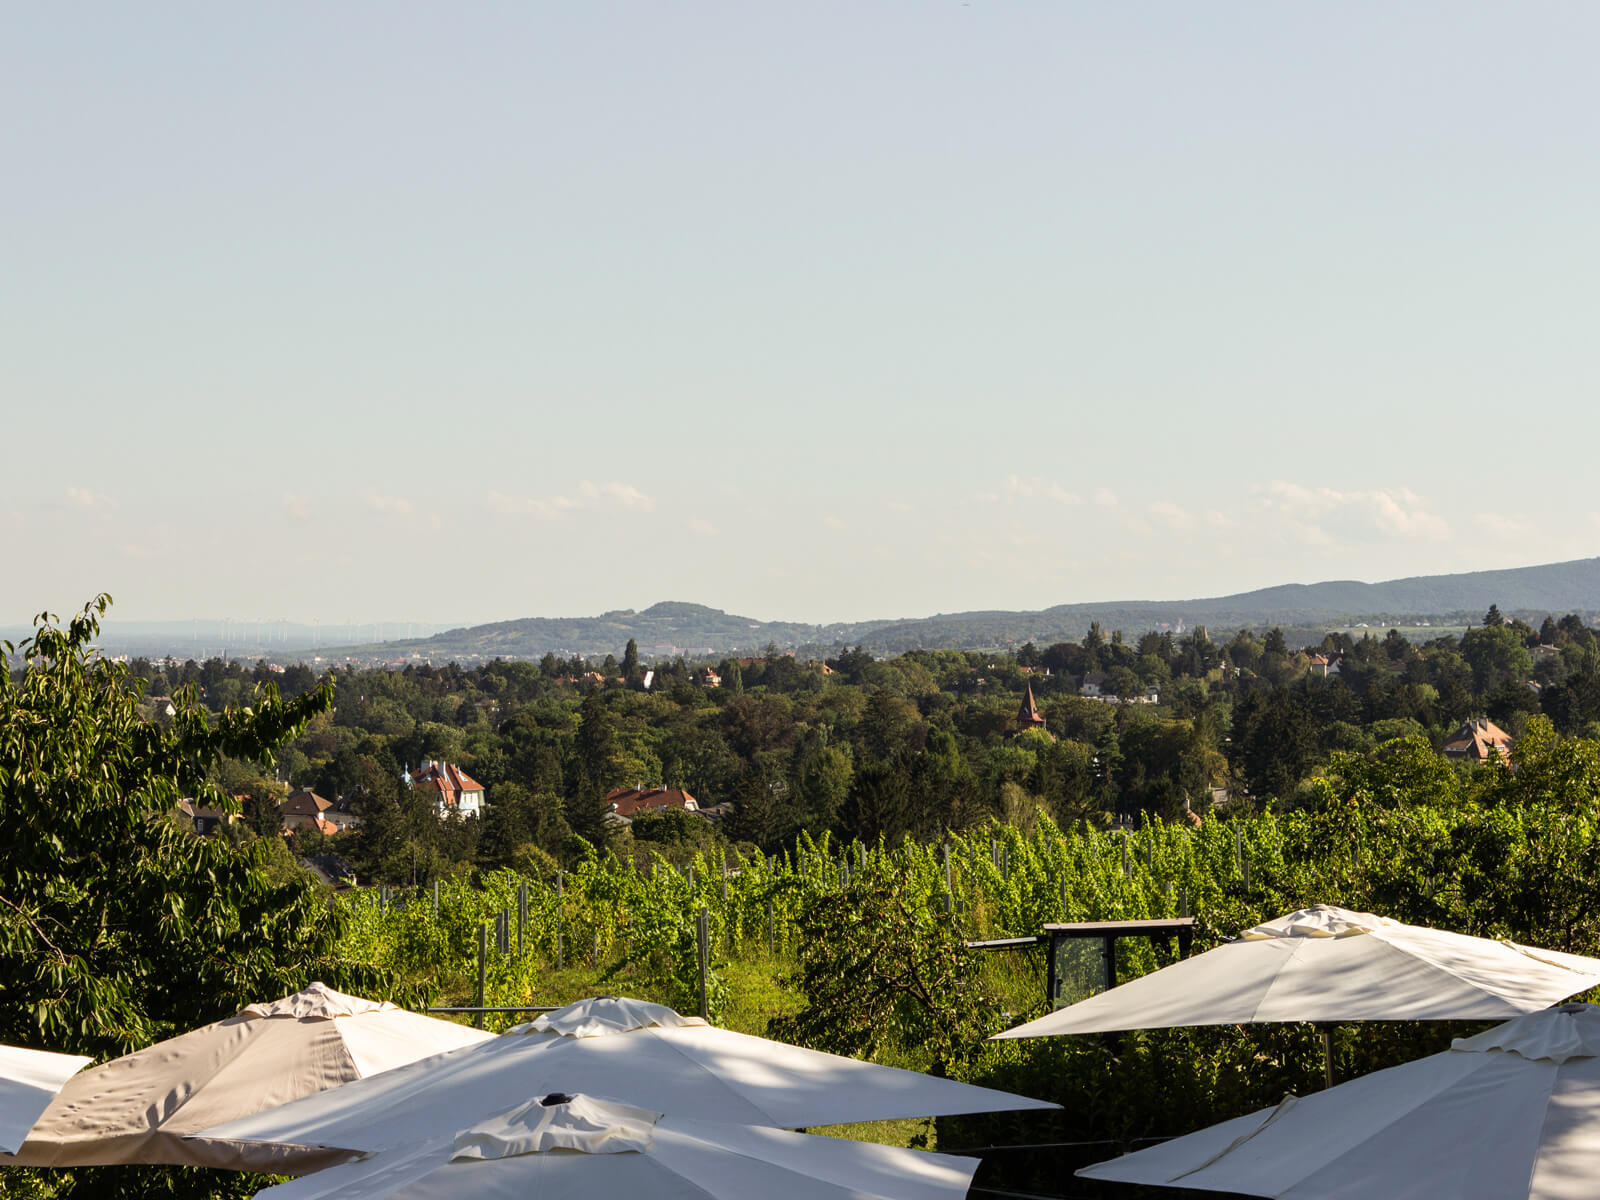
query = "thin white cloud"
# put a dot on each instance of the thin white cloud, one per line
(398, 505)
(1504, 525)
(1171, 515)
(297, 506)
(1018, 488)
(900, 506)
(622, 495)
(1326, 516)
(703, 528)
(612, 495)
(1104, 498)
(1027, 487)
(86, 499)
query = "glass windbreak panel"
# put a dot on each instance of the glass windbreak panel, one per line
(1080, 970)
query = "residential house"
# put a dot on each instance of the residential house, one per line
(304, 809)
(629, 802)
(1476, 740)
(341, 816)
(706, 677)
(202, 820)
(1093, 686)
(456, 791)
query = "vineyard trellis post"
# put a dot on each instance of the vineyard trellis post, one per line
(703, 947)
(522, 915)
(483, 963)
(435, 899)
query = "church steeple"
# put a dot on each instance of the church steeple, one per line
(1029, 716)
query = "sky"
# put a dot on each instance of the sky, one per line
(816, 312)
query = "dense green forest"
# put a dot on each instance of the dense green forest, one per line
(858, 747)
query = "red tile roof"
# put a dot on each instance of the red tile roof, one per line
(625, 802)
(1476, 738)
(447, 779)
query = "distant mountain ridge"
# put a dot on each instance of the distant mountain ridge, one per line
(673, 627)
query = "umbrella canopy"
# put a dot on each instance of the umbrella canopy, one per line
(139, 1108)
(626, 1050)
(29, 1080)
(1511, 1112)
(1330, 964)
(578, 1148)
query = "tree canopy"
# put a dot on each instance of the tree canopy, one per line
(117, 928)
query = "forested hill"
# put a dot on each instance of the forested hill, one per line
(669, 629)
(1553, 588)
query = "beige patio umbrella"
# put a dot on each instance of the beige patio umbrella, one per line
(1514, 1112)
(577, 1147)
(141, 1107)
(626, 1050)
(1328, 964)
(29, 1080)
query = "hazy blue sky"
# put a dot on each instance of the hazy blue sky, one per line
(810, 311)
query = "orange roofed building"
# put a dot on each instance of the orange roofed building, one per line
(1475, 739)
(455, 790)
(303, 810)
(630, 802)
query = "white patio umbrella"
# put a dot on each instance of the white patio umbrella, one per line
(1327, 964)
(578, 1148)
(29, 1080)
(1512, 1112)
(141, 1107)
(625, 1050)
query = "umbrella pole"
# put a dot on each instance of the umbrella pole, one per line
(1327, 1054)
